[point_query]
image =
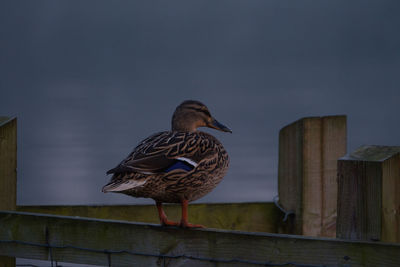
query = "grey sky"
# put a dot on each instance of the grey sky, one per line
(90, 79)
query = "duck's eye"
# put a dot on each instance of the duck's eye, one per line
(207, 113)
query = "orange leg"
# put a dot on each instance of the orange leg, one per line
(163, 217)
(184, 220)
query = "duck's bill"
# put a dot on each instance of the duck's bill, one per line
(219, 126)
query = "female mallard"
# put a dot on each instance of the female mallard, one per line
(176, 166)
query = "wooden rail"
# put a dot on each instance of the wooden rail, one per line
(150, 245)
(250, 217)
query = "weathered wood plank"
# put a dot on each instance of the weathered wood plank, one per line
(368, 201)
(334, 146)
(96, 234)
(254, 217)
(290, 173)
(8, 171)
(308, 151)
(391, 199)
(358, 202)
(8, 163)
(312, 177)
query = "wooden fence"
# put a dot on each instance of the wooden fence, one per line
(241, 234)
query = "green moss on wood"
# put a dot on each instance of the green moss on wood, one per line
(254, 217)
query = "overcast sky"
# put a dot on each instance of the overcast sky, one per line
(89, 79)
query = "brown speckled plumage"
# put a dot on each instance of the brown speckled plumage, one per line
(147, 171)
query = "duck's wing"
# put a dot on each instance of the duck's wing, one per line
(163, 152)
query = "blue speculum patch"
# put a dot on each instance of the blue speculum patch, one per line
(182, 165)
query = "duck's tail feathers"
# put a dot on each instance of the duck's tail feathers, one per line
(120, 186)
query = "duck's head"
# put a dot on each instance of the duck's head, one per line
(192, 114)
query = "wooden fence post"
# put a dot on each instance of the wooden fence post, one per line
(369, 194)
(308, 153)
(8, 171)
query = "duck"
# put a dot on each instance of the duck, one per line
(176, 166)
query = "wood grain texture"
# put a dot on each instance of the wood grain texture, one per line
(368, 198)
(8, 163)
(290, 174)
(308, 152)
(312, 177)
(358, 200)
(153, 239)
(391, 199)
(334, 146)
(254, 217)
(8, 171)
